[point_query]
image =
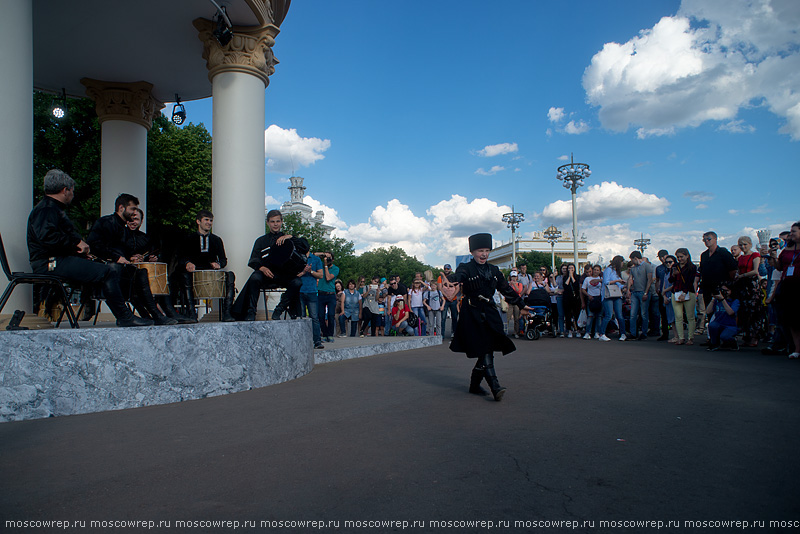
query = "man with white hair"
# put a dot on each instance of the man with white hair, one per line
(55, 247)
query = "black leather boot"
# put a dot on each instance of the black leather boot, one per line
(227, 302)
(166, 304)
(475, 382)
(491, 378)
(116, 303)
(142, 290)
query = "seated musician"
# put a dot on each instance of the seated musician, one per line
(107, 239)
(204, 251)
(274, 265)
(140, 248)
(55, 247)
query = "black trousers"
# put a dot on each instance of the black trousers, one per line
(78, 269)
(247, 301)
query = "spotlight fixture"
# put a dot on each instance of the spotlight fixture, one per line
(178, 111)
(223, 32)
(59, 105)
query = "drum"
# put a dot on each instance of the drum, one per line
(157, 274)
(209, 284)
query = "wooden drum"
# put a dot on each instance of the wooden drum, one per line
(208, 284)
(157, 274)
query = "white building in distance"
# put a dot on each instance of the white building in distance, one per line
(296, 205)
(501, 255)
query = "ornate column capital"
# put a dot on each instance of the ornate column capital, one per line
(132, 102)
(250, 50)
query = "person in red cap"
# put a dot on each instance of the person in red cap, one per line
(479, 331)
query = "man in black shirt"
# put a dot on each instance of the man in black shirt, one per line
(203, 251)
(140, 248)
(54, 246)
(108, 241)
(273, 269)
(716, 266)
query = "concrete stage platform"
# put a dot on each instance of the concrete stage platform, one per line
(56, 372)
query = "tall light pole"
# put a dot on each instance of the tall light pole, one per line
(573, 174)
(513, 220)
(552, 234)
(641, 243)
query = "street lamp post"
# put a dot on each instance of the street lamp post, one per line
(573, 174)
(552, 234)
(513, 220)
(641, 243)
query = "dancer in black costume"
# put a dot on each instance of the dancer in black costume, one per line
(479, 331)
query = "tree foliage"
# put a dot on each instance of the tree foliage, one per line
(385, 262)
(535, 259)
(71, 144)
(343, 251)
(178, 173)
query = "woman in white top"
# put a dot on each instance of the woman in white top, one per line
(612, 305)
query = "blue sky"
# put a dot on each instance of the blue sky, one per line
(417, 128)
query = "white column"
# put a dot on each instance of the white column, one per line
(238, 166)
(123, 163)
(125, 111)
(16, 141)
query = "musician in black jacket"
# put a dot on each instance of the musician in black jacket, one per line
(274, 266)
(140, 248)
(479, 330)
(55, 247)
(204, 250)
(108, 241)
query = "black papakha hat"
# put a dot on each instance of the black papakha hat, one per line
(477, 241)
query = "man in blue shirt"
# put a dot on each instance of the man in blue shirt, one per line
(326, 296)
(308, 295)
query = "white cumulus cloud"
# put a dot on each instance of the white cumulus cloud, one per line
(608, 200)
(705, 63)
(496, 150)
(286, 151)
(576, 128)
(555, 114)
(331, 216)
(490, 172)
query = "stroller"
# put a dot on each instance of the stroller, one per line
(541, 320)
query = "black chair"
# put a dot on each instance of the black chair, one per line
(14, 279)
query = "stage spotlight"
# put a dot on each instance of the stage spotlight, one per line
(178, 111)
(59, 106)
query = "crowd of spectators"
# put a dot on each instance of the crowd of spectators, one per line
(742, 296)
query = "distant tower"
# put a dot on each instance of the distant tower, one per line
(296, 205)
(297, 189)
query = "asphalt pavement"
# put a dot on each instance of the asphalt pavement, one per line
(587, 432)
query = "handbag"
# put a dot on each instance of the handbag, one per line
(412, 319)
(582, 319)
(612, 291)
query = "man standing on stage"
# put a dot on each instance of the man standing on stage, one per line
(55, 247)
(204, 251)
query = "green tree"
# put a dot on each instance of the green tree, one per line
(385, 262)
(71, 144)
(343, 251)
(178, 173)
(534, 260)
